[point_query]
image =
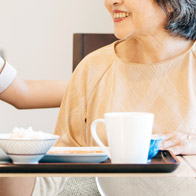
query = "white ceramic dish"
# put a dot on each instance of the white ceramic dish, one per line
(77, 155)
(26, 151)
(4, 158)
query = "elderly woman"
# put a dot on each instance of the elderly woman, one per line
(150, 69)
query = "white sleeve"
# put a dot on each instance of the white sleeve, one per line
(7, 76)
(1, 63)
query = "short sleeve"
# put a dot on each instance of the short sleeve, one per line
(71, 119)
(7, 76)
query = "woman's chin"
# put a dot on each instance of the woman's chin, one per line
(120, 35)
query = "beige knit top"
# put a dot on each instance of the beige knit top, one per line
(104, 83)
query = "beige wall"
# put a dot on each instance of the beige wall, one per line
(36, 37)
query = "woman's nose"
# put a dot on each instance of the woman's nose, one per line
(116, 2)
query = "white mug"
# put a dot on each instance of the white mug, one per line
(128, 136)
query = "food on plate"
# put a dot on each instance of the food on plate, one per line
(75, 152)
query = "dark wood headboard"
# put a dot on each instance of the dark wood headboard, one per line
(84, 43)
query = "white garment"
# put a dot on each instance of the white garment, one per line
(147, 186)
(7, 76)
(49, 186)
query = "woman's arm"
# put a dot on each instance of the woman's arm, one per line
(27, 94)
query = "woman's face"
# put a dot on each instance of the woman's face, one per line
(136, 17)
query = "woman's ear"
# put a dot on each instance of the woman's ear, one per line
(169, 9)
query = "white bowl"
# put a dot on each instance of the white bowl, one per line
(26, 151)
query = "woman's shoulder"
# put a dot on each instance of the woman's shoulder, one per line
(97, 61)
(94, 66)
(105, 53)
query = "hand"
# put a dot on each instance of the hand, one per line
(180, 143)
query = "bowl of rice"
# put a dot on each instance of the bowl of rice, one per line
(26, 146)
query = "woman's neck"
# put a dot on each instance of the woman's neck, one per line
(152, 49)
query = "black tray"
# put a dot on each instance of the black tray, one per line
(164, 161)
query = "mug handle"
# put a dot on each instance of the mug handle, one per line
(95, 136)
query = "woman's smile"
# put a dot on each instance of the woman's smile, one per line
(118, 15)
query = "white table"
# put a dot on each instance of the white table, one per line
(181, 182)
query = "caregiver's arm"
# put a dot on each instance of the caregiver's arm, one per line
(180, 143)
(25, 94)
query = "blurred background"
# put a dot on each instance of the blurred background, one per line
(36, 37)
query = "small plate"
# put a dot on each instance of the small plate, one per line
(75, 155)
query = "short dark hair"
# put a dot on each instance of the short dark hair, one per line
(181, 17)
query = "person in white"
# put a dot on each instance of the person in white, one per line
(29, 94)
